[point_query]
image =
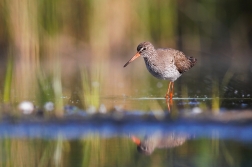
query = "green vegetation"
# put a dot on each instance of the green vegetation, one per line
(45, 41)
(69, 50)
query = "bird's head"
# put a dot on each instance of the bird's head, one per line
(144, 49)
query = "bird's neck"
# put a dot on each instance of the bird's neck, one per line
(149, 60)
(150, 57)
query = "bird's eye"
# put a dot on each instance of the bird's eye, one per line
(142, 49)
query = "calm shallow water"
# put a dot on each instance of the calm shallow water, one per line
(208, 123)
(187, 135)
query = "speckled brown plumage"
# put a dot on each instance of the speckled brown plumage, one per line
(184, 63)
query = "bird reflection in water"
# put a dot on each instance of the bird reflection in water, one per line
(159, 141)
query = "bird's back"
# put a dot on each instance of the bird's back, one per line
(178, 58)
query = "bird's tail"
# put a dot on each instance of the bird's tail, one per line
(192, 61)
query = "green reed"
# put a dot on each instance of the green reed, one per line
(8, 79)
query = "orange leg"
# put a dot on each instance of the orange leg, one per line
(169, 103)
(170, 93)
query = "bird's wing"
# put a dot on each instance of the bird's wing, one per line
(182, 62)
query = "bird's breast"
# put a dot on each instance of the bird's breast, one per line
(162, 71)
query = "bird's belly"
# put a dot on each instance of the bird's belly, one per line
(171, 73)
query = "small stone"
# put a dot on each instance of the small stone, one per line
(102, 109)
(26, 107)
(49, 106)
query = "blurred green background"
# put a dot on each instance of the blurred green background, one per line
(73, 52)
(62, 51)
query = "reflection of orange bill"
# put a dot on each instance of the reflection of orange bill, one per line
(136, 140)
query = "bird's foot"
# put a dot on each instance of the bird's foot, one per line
(169, 96)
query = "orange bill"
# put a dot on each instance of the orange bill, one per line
(132, 59)
(136, 140)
